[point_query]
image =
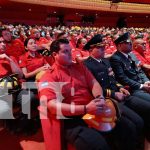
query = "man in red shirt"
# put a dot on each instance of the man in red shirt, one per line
(42, 42)
(15, 47)
(72, 91)
(139, 48)
(8, 66)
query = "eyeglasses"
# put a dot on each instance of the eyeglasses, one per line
(143, 44)
(2, 41)
(125, 42)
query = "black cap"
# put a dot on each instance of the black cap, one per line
(95, 41)
(123, 38)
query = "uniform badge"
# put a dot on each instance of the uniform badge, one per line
(20, 61)
(44, 84)
(110, 72)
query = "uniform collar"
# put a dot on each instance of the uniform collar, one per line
(61, 66)
(28, 55)
(99, 60)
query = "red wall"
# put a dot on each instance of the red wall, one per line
(31, 17)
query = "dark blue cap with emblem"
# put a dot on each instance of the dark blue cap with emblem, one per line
(95, 41)
(123, 38)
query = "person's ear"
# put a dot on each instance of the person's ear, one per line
(135, 46)
(90, 50)
(26, 49)
(54, 54)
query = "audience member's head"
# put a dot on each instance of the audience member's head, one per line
(61, 51)
(30, 44)
(7, 35)
(124, 43)
(139, 45)
(81, 42)
(96, 46)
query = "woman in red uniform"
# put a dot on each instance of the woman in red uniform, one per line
(32, 62)
(79, 54)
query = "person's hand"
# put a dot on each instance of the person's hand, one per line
(146, 87)
(124, 91)
(47, 66)
(95, 107)
(147, 83)
(4, 56)
(119, 96)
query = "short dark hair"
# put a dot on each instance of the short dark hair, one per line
(26, 41)
(1, 30)
(55, 45)
(60, 34)
(1, 33)
(78, 42)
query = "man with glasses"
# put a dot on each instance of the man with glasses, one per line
(14, 47)
(80, 88)
(139, 48)
(126, 70)
(129, 74)
(102, 71)
(8, 66)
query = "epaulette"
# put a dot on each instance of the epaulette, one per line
(108, 93)
(119, 85)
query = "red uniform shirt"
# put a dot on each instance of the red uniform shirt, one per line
(79, 53)
(15, 49)
(142, 59)
(110, 49)
(41, 41)
(31, 63)
(76, 81)
(5, 68)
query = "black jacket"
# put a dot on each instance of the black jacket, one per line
(127, 72)
(104, 75)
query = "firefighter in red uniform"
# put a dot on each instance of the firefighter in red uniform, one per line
(139, 48)
(42, 44)
(31, 63)
(80, 90)
(15, 47)
(8, 66)
(78, 53)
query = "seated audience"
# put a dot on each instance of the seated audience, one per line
(15, 47)
(102, 71)
(8, 66)
(76, 88)
(128, 73)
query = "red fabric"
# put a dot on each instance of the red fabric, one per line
(72, 45)
(15, 49)
(79, 53)
(75, 76)
(50, 60)
(51, 131)
(110, 49)
(31, 63)
(141, 58)
(5, 68)
(41, 41)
